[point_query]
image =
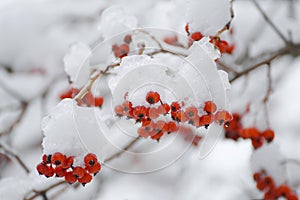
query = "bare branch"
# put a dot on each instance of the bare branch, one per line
(15, 156)
(122, 151)
(268, 20)
(17, 121)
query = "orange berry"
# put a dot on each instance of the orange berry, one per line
(153, 113)
(206, 120)
(119, 110)
(257, 142)
(283, 191)
(191, 112)
(210, 107)
(292, 197)
(223, 117)
(152, 97)
(268, 135)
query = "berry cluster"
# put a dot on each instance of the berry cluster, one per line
(235, 130)
(222, 45)
(62, 166)
(271, 191)
(88, 100)
(152, 127)
(123, 49)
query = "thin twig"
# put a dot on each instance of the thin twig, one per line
(17, 121)
(293, 50)
(122, 151)
(15, 156)
(44, 191)
(226, 67)
(268, 20)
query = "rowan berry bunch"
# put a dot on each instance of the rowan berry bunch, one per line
(235, 130)
(222, 45)
(266, 184)
(122, 50)
(88, 100)
(62, 166)
(179, 115)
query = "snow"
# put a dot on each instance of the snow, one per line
(208, 17)
(77, 64)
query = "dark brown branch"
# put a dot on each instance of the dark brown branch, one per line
(268, 20)
(227, 68)
(122, 151)
(293, 50)
(15, 156)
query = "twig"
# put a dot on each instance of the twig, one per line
(92, 80)
(122, 151)
(268, 20)
(17, 121)
(293, 50)
(43, 192)
(226, 67)
(15, 156)
(268, 93)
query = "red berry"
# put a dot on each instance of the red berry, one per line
(98, 101)
(206, 120)
(292, 197)
(187, 28)
(171, 127)
(268, 135)
(283, 191)
(78, 172)
(210, 107)
(152, 97)
(257, 176)
(196, 36)
(223, 117)
(69, 162)
(46, 158)
(85, 179)
(42, 168)
(127, 39)
(58, 159)
(175, 106)
(257, 142)
(90, 159)
(60, 171)
(70, 178)
(93, 169)
(153, 113)
(140, 112)
(123, 50)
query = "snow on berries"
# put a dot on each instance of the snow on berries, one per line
(159, 118)
(266, 184)
(62, 166)
(235, 130)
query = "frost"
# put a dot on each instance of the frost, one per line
(115, 20)
(77, 64)
(208, 16)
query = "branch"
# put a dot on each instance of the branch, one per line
(293, 50)
(122, 151)
(15, 156)
(268, 20)
(43, 192)
(17, 121)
